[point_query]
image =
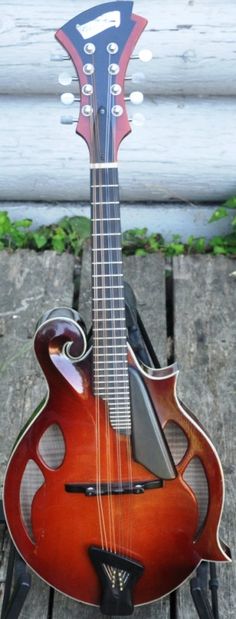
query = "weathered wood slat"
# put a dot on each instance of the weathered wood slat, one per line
(204, 344)
(30, 284)
(204, 335)
(185, 151)
(193, 43)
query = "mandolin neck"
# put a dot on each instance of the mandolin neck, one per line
(110, 372)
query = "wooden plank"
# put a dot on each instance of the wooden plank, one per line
(205, 347)
(179, 154)
(30, 284)
(193, 45)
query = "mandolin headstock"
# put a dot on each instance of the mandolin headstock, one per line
(100, 42)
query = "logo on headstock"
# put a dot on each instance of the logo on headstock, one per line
(101, 23)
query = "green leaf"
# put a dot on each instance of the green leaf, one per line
(216, 241)
(140, 252)
(218, 249)
(220, 213)
(23, 223)
(231, 203)
(58, 243)
(40, 240)
(5, 223)
(174, 249)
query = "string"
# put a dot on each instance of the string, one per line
(110, 303)
(118, 407)
(101, 517)
(113, 377)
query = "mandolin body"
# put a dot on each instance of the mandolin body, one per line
(54, 529)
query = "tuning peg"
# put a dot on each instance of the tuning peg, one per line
(59, 57)
(68, 120)
(65, 79)
(135, 97)
(67, 98)
(145, 55)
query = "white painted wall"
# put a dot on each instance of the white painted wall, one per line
(183, 155)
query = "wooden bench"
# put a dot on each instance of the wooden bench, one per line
(199, 303)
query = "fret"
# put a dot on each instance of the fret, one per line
(108, 298)
(122, 398)
(116, 384)
(123, 367)
(106, 219)
(111, 275)
(109, 249)
(103, 166)
(107, 338)
(108, 309)
(107, 376)
(114, 347)
(111, 264)
(104, 202)
(110, 329)
(109, 354)
(113, 390)
(99, 378)
(122, 318)
(121, 415)
(106, 234)
(98, 186)
(109, 365)
(102, 287)
(122, 409)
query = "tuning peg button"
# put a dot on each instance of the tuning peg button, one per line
(145, 55)
(135, 97)
(68, 98)
(68, 120)
(65, 79)
(59, 57)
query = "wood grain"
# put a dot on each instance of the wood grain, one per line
(204, 345)
(185, 151)
(204, 333)
(193, 43)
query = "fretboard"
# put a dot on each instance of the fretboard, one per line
(110, 367)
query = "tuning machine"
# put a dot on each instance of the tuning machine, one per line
(68, 120)
(65, 79)
(67, 98)
(136, 97)
(59, 57)
(145, 55)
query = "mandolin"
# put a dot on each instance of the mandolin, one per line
(114, 492)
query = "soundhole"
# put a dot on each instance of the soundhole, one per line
(195, 477)
(51, 446)
(177, 441)
(32, 480)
